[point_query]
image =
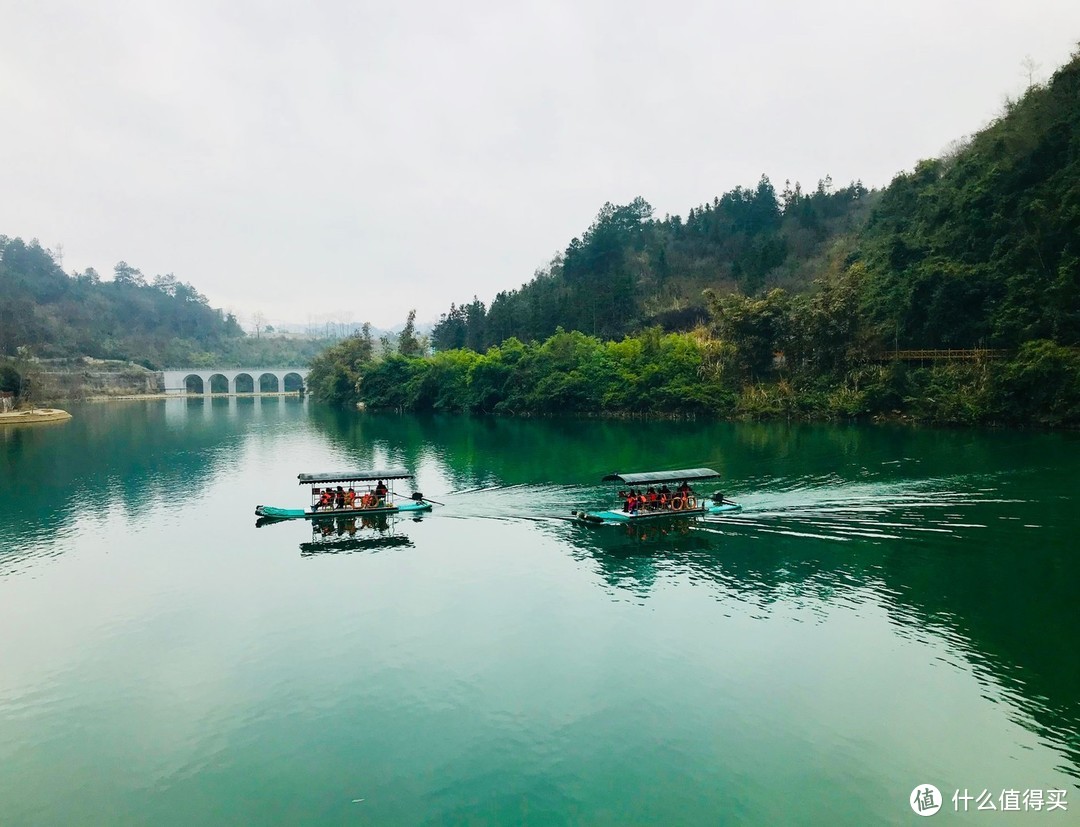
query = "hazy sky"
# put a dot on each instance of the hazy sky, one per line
(357, 159)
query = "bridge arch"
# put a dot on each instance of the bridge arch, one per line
(183, 381)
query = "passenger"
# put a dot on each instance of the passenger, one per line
(325, 500)
(368, 500)
(663, 500)
(632, 501)
(339, 498)
(687, 495)
(651, 498)
(625, 497)
(350, 499)
(380, 490)
(665, 492)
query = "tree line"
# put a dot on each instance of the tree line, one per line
(629, 270)
(761, 304)
(157, 322)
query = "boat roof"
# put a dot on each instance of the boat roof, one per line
(355, 476)
(647, 477)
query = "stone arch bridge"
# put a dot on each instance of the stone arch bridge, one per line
(232, 381)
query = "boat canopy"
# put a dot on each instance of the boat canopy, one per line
(355, 476)
(649, 477)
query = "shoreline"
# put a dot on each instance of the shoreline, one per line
(203, 396)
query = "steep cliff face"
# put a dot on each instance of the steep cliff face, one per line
(56, 379)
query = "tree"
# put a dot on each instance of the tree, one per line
(259, 320)
(167, 284)
(1028, 68)
(127, 275)
(408, 344)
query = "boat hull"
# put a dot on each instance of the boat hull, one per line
(706, 507)
(330, 513)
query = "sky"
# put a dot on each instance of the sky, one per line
(349, 161)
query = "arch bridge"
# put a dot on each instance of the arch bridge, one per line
(232, 381)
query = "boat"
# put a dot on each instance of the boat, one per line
(679, 506)
(386, 502)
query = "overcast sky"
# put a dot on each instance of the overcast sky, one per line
(358, 159)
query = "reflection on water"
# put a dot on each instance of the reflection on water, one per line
(346, 534)
(958, 544)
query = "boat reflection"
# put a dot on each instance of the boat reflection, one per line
(643, 537)
(349, 534)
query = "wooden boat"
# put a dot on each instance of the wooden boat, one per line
(678, 506)
(387, 503)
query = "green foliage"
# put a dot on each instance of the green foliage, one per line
(334, 372)
(977, 249)
(758, 327)
(1042, 384)
(982, 247)
(408, 344)
(392, 383)
(10, 379)
(629, 270)
(161, 323)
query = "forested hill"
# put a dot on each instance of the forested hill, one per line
(979, 247)
(975, 255)
(158, 323)
(983, 245)
(629, 270)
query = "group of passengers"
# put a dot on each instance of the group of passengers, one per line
(331, 499)
(653, 499)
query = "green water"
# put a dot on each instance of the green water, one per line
(893, 607)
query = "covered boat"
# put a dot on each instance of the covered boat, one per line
(350, 493)
(640, 500)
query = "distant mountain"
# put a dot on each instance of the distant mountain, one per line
(158, 323)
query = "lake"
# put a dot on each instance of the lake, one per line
(893, 607)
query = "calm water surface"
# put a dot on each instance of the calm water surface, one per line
(893, 607)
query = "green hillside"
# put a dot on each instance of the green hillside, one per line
(629, 270)
(161, 322)
(792, 305)
(983, 246)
